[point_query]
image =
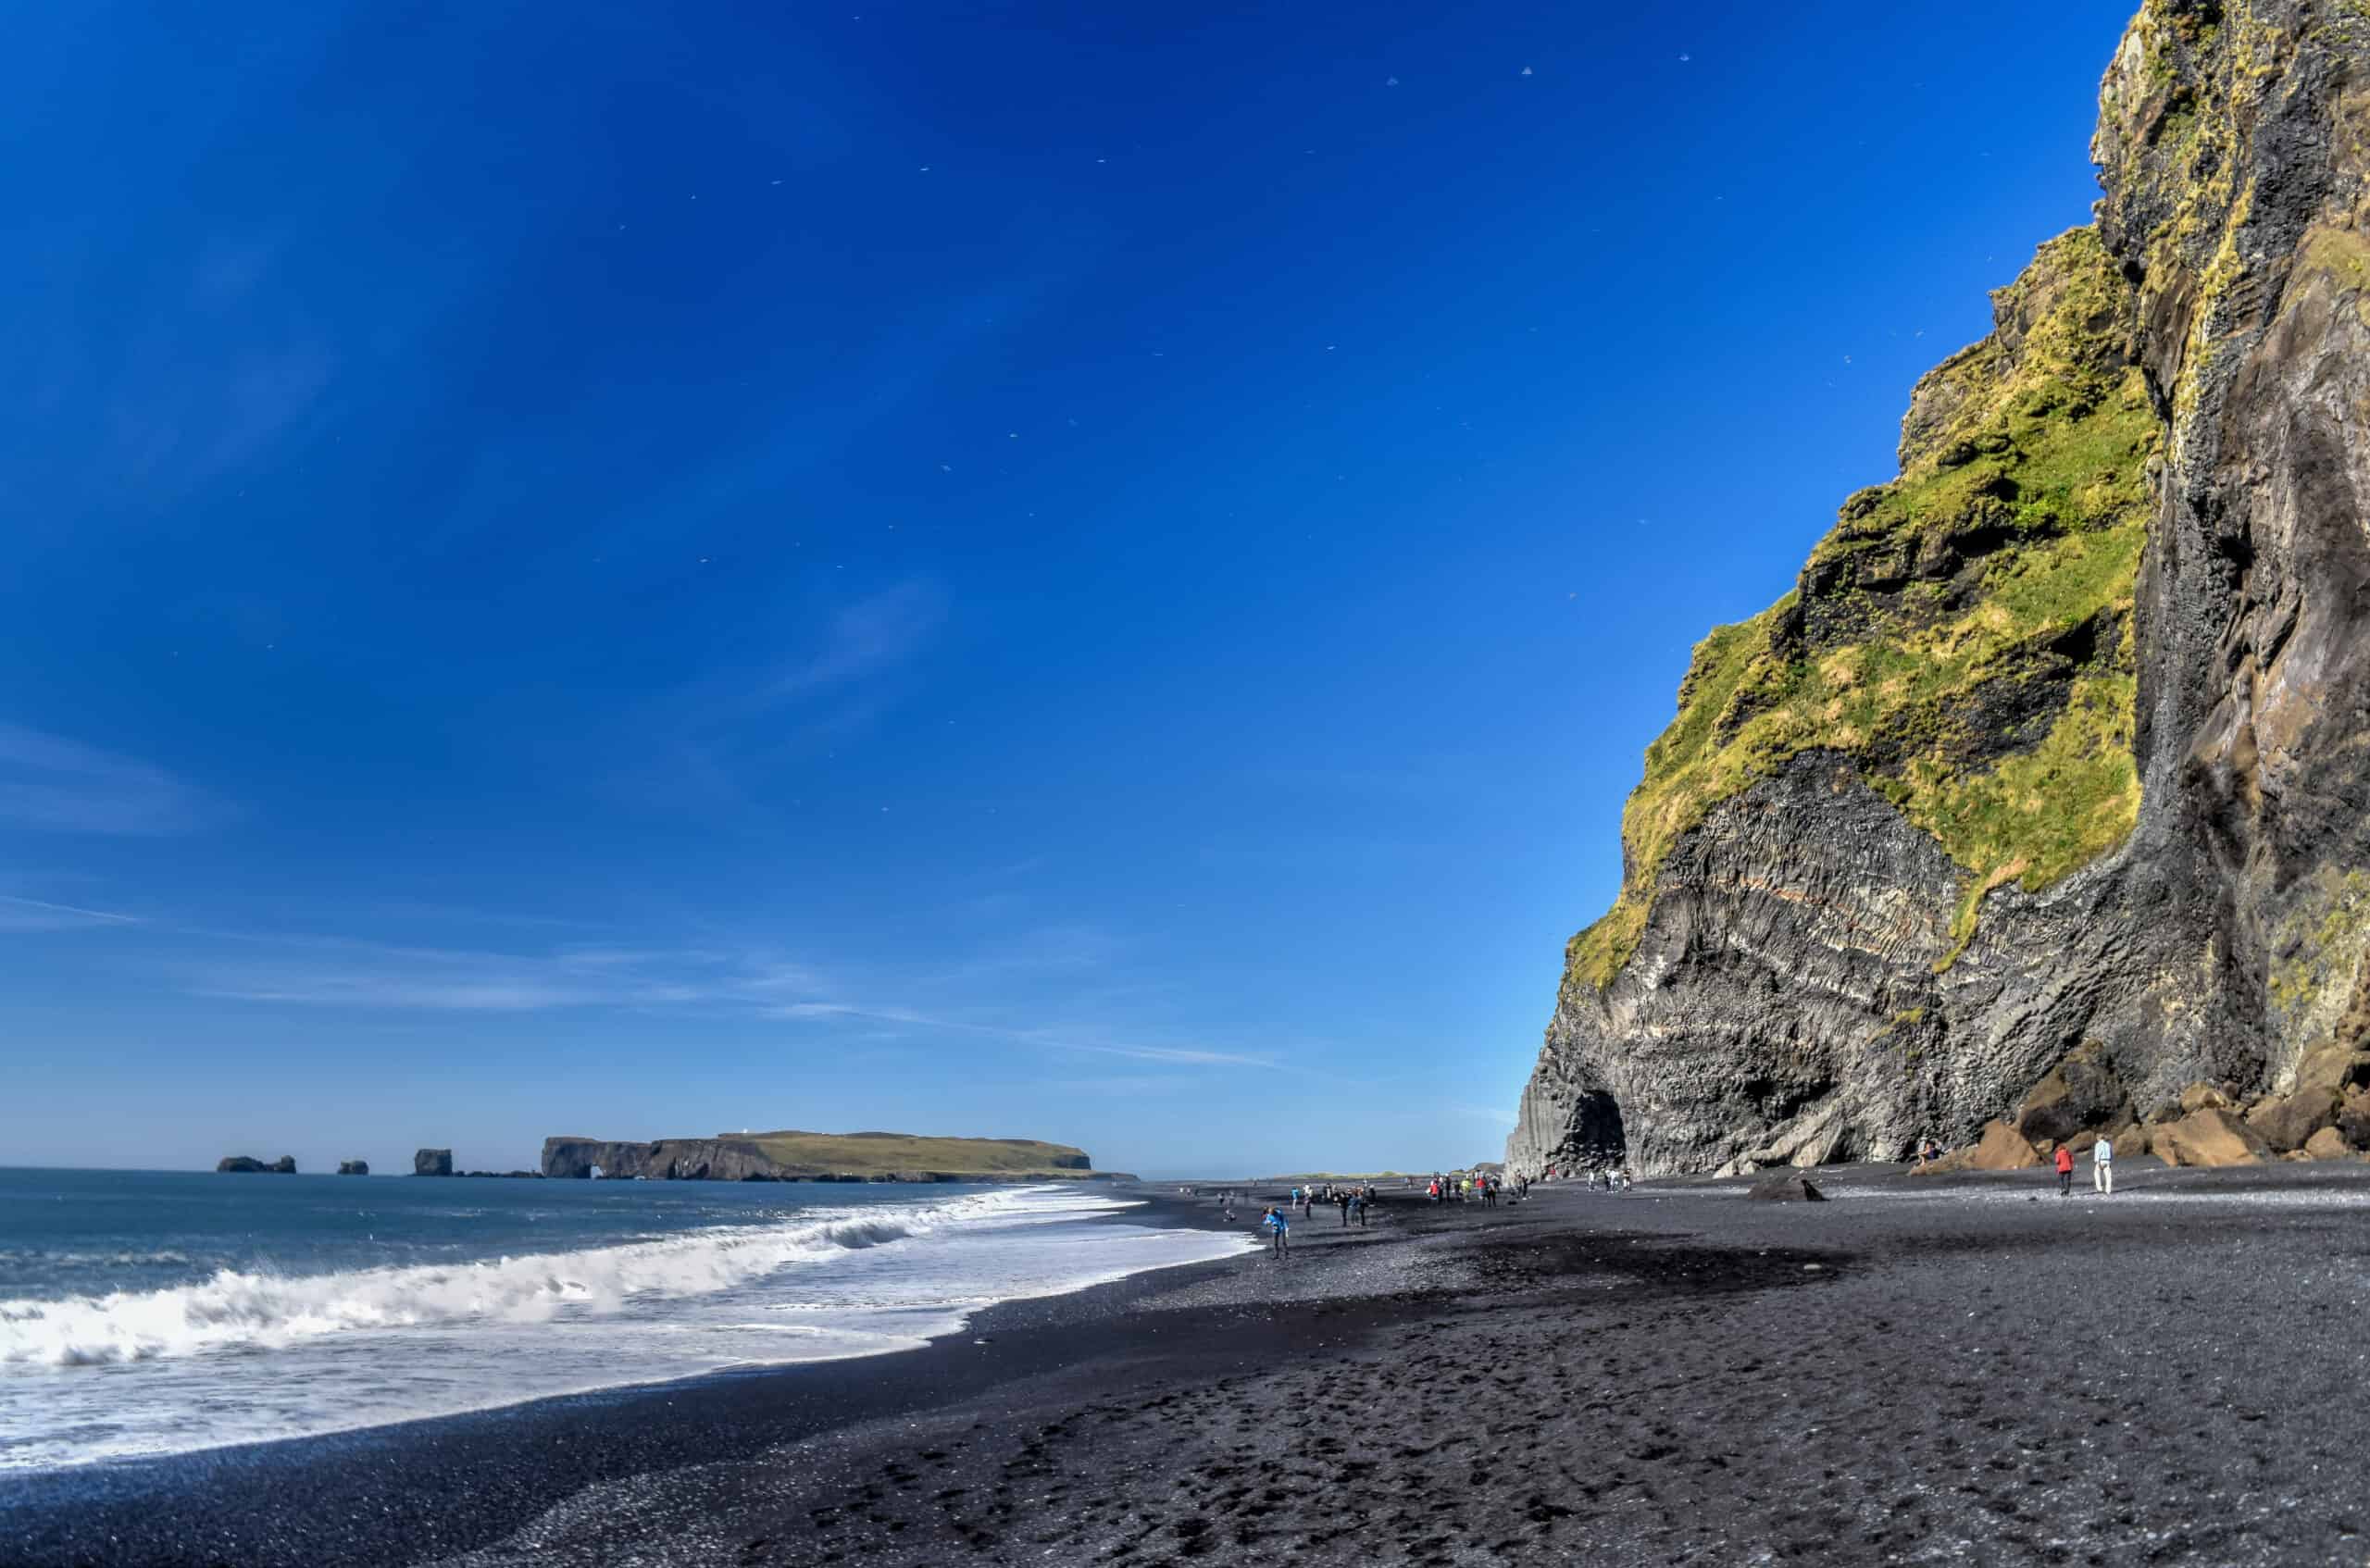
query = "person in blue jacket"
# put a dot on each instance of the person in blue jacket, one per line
(1282, 1228)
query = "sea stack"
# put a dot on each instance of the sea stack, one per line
(354, 1167)
(433, 1162)
(247, 1165)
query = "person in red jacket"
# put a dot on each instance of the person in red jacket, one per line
(2064, 1171)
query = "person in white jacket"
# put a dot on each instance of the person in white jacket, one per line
(2102, 1165)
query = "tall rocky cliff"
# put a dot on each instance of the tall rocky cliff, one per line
(2063, 736)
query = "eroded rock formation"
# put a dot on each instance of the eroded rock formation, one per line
(2062, 742)
(668, 1159)
(797, 1156)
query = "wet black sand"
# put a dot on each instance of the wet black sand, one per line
(1910, 1374)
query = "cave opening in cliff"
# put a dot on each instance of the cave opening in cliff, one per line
(1597, 1136)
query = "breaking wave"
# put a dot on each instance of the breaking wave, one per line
(262, 1310)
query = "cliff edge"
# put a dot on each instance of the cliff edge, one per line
(815, 1156)
(2060, 741)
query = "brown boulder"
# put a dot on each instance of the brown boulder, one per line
(2209, 1136)
(2079, 1095)
(2334, 1066)
(2203, 1097)
(2285, 1122)
(2001, 1148)
(2326, 1144)
(2353, 1118)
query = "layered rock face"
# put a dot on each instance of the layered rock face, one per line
(801, 1156)
(668, 1159)
(2061, 746)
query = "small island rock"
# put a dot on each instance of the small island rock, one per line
(354, 1167)
(433, 1162)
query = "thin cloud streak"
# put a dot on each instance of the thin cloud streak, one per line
(329, 971)
(37, 914)
(868, 636)
(57, 785)
(341, 972)
(1178, 1054)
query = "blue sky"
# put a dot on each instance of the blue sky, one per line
(1098, 573)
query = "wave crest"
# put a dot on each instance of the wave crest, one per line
(261, 1311)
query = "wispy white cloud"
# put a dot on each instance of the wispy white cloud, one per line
(458, 915)
(720, 743)
(37, 914)
(710, 979)
(59, 785)
(210, 367)
(865, 638)
(338, 972)
(1050, 1040)
(1047, 948)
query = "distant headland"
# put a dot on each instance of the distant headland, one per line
(821, 1156)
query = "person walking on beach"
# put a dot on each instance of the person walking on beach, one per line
(1281, 1228)
(2102, 1167)
(2064, 1171)
(1341, 1199)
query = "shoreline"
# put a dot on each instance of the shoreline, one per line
(1676, 1374)
(44, 1512)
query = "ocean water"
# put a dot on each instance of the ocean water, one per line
(146, 1313)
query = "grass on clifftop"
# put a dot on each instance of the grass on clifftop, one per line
(874, 1153)
(2006, 553)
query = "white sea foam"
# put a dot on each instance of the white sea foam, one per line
(236, 1309)
(243, 1354)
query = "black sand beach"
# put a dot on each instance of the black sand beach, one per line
(1970, 1370)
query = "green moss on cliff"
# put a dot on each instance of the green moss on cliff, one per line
(2320, 942)
(1963, 635)
(2342, 257)
(882, 1153)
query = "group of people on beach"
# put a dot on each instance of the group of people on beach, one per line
(1350, 1202)
(1599, 1176)
(1477, 1187)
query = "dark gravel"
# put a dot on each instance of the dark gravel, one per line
(1976, 1372)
